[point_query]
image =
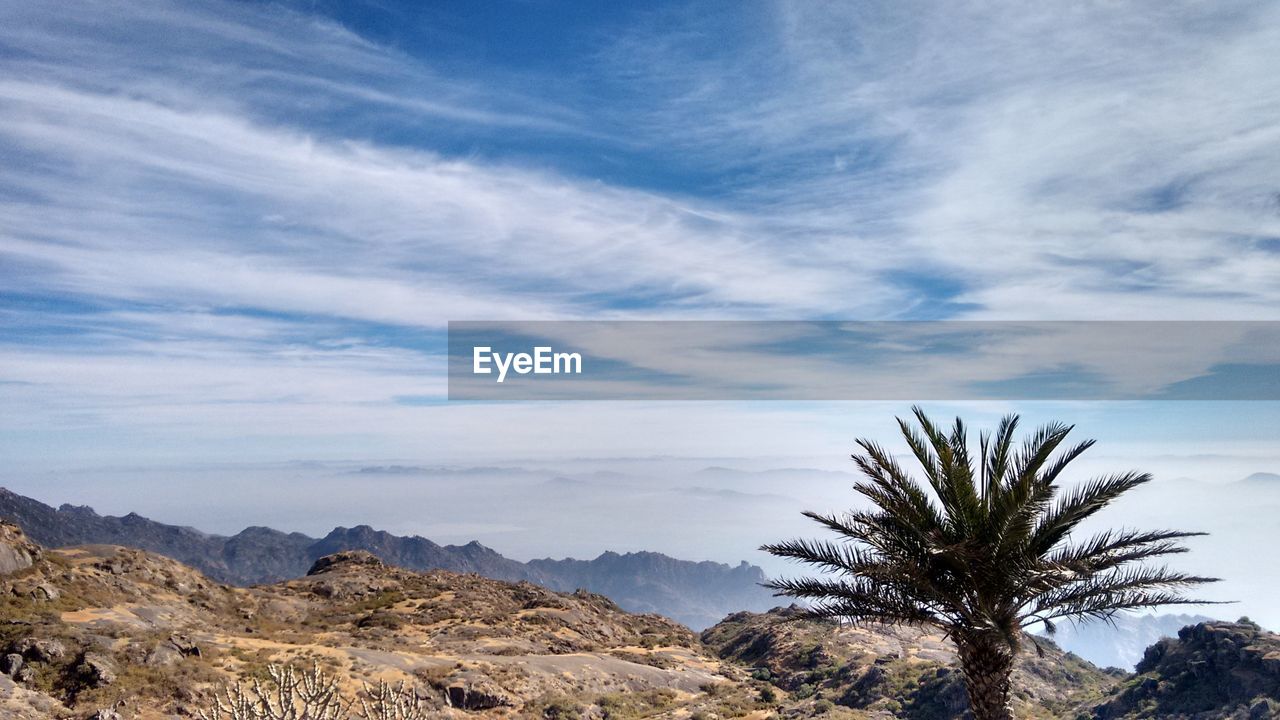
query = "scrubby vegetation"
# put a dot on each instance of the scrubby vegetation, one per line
(291, 694)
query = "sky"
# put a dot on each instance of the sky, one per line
(232, 235)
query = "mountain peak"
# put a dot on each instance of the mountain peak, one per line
(357, 531)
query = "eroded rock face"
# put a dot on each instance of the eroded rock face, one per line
(1264, 709)
(162, 655)
(11, 664)
(476, 696)
(349, 575)
(184, 646)
(41, 649)
(17, 553)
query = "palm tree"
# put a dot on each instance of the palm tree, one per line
(982, 551)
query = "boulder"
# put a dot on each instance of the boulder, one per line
(96, 670)
(1211, 670)
(11, 664)
(162, 655)
(42, 649)
(1264, 709)
(476, 696)
(46, 592)
(184, 646)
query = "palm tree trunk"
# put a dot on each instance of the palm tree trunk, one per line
(987, 664)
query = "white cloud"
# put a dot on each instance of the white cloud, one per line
(1109, 161)
(160, 203)
(246, 225)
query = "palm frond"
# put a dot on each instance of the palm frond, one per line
(897, 491)
(1118, 586)
(1110, 549)
(1105, 608)
(855, 599)
(996, 456)
(947, 469)
(1081, 504)
(833, 557)
(1022, 492)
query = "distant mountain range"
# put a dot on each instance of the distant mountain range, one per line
(1121, 642)
(697, 594)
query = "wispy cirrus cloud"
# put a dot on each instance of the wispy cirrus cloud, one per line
(266, 61)
(239, 228)
(876, 167)
(1036, 162)
(144, 194)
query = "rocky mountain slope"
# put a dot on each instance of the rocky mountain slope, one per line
(105, 629)
(1211, 670)
(108, 632)
(893, 672)
(696, 594)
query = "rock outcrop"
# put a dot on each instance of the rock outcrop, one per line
(1211, 671)
(16, 552)
(346, 557)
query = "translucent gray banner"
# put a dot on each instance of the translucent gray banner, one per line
(828, 360)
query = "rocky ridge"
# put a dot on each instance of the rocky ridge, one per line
(1212, 670)
(697, 594)
(878, 671)
(129, 632)
(108, 632)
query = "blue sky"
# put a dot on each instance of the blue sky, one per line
(232, 233)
